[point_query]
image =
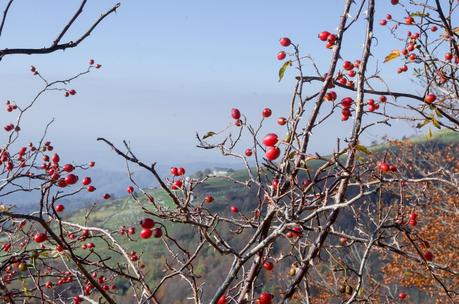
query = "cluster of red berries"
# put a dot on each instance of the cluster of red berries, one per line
(372, 105)
(285, 42)
(93, 63)
(177, 171)
(294, 232)
(89, 245)
(272, 151)
(331, 96)
(383, 22)
(385, 167)
(53, 169)
(148, 229)
(129, 231)
(346, 103)
(10, 127)
(329, 38)
(70, 92)
(10, 106)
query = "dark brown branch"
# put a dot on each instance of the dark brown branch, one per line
(62, 46)
(69, 24)
(5, 13)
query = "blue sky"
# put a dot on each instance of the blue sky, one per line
(170, 68)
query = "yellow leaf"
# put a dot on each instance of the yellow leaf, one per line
(392, 55)
(363, 149)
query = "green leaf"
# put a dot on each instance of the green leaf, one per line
(435, 122)
(208, 134)
(291, 155)
(283, 68)
(438, 113)
(422, 124)
(419, 14)
(363, 149)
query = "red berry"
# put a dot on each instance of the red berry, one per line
(106, 196)
(55, 158)
(91, 188)
(92, 164)
(130, 189)
(268, 266)
(146, 233)
(98, 66)
(234, 209)
(71, 179)
(248, 152)
(448, 56)
(428, 256)
(346, 112)
(265, 298)
(272, 153)
(384, 167)
(235, 113)
(388, 16)
(177, 185)
(281, 55)
(266, 112)
(409, 20)
(59, 208)
(331, 39)
(434, 28)
(347, 102)
(402, 295)
(181, 171)
(86, 181)
(91, 61)
(371, 108)
(382, 98)
(285, 41)
(430, 98)
(275, 183)
(68, 168)
(270, 139)
(222, 300)
(394, 2)
(383, 22)
(324, 35)
(413, 216)
(157, 232)
(174, 171)
(208, 199)
(72, 92)
(281, 121)
(147, 223)
(347, 65)
(40, 237)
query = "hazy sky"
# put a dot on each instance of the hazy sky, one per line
(169, 68)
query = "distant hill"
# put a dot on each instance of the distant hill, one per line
(125, 212)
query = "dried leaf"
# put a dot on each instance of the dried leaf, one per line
(208, 134)
(392, 55)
